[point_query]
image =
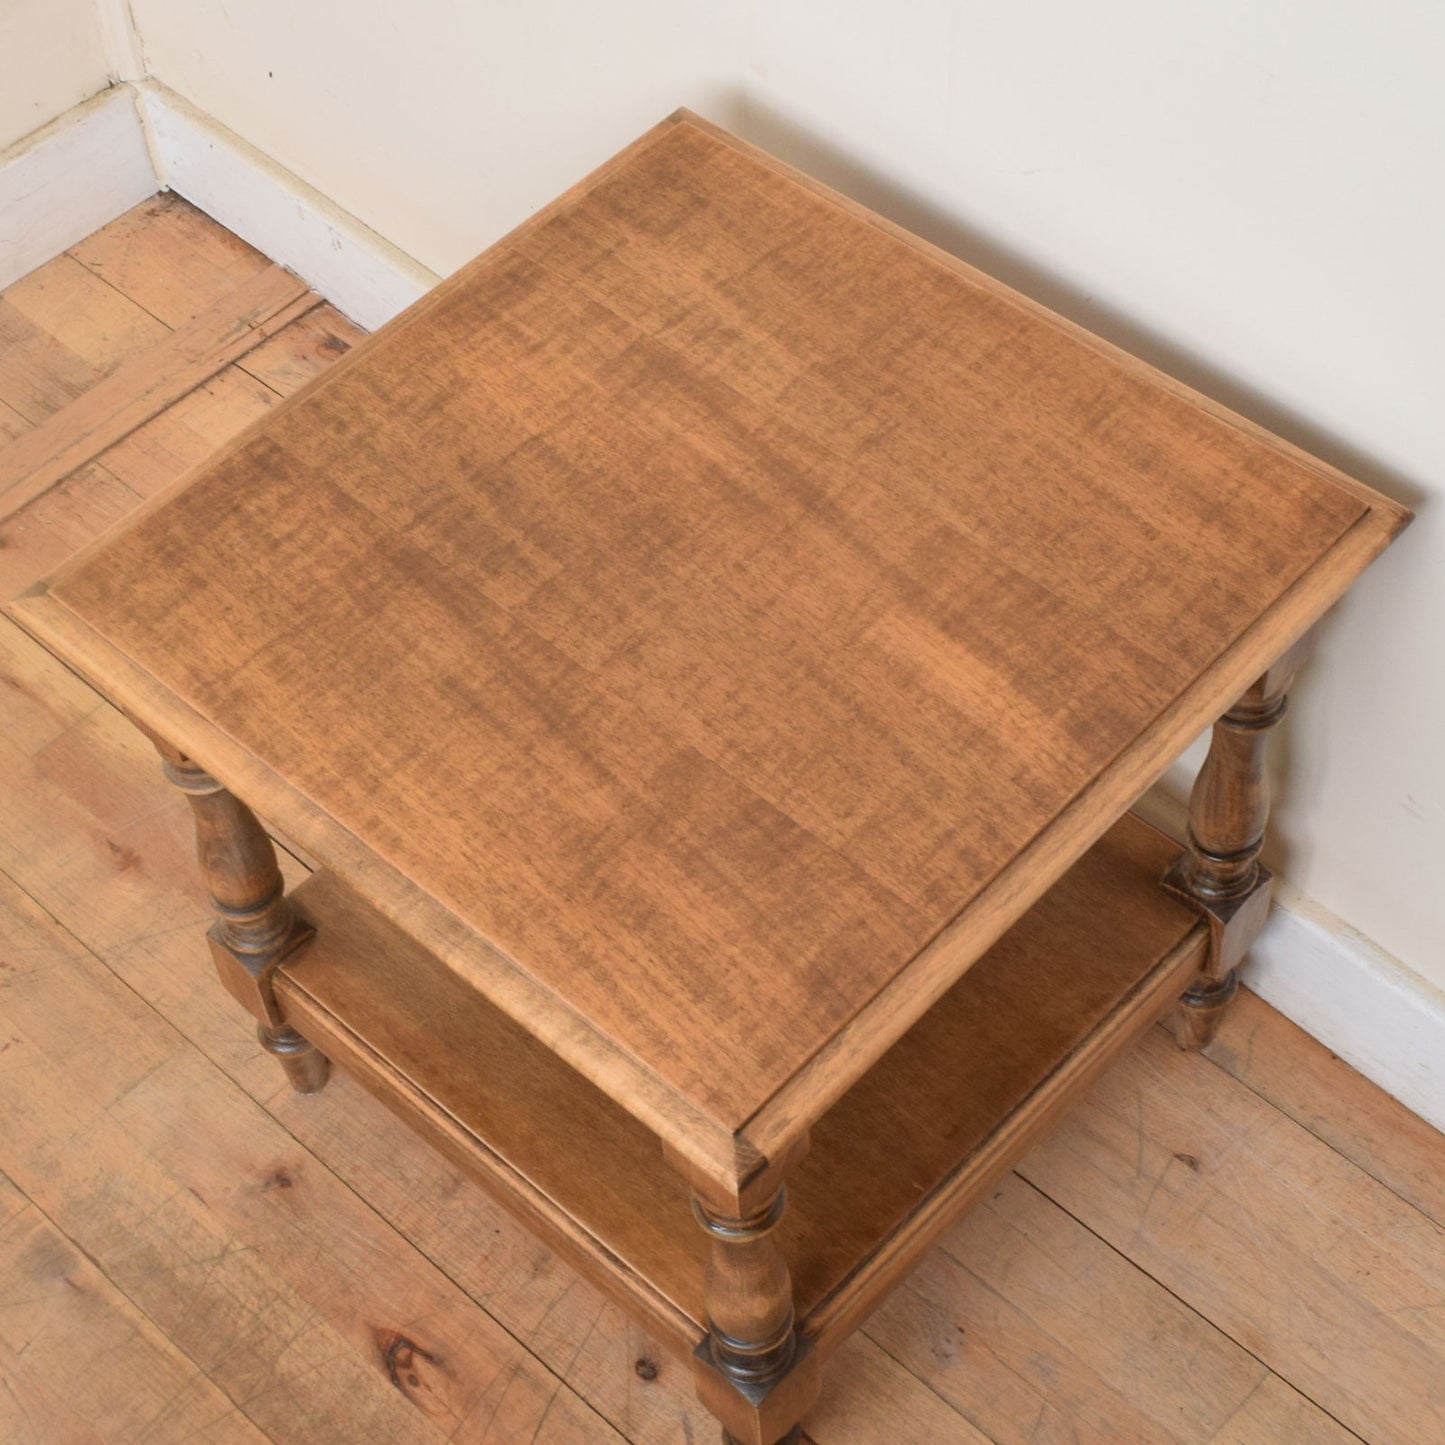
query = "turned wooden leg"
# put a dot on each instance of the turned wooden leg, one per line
(753, 1372)
(1220, 873)
(256, 926)
(749, 1293)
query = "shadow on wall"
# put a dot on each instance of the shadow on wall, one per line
(766, 127)
(1164, 804)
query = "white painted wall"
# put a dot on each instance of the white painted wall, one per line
(1248, 193)
(51, 56)
(441, 124)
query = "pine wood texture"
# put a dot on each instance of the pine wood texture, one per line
(148, 383)
(1028, 1324)
(1300, 1077)
(169, 258)
(796, 606)
(181, 1215)
(1270, 1235)
(101, 305)
(127, 1383)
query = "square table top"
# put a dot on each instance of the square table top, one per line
(711, 617)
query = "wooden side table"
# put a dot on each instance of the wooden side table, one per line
(711, 644)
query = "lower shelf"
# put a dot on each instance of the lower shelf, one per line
(924, 1133)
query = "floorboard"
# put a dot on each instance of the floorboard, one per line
(70, 1335)
(169, 258)
(147, 383)
(1311, 1264)
(1245, 1248)
(1032, 1327)
(1300, 1077)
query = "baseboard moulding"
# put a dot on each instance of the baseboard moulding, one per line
(359, 272)
(70, 178)
(1381, 1018)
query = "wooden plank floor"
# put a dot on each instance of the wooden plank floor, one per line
(1244, 1248)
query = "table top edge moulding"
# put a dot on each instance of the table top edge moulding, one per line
(727, 1157)
(727, 1136)
(707, 1146)
(1376, 500)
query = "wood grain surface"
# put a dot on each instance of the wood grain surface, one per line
(926, 1129)
(169, 258)
(1025, 1327)
(1305, 1260)
(704, 600)
(971, 1321)
(148, 383)
(128, 1383)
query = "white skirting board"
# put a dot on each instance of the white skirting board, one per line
(70, 178)
(109, 154)
(1363, 1005)
(361, 274)
(115, 150)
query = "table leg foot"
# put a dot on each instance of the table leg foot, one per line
(1196, 1020)
(793, 1437)
(307, 1068)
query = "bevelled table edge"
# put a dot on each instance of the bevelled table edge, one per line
(1377, 501)
(820, 1081)
(700, 1141)
(727, 1158)
(411, 314)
